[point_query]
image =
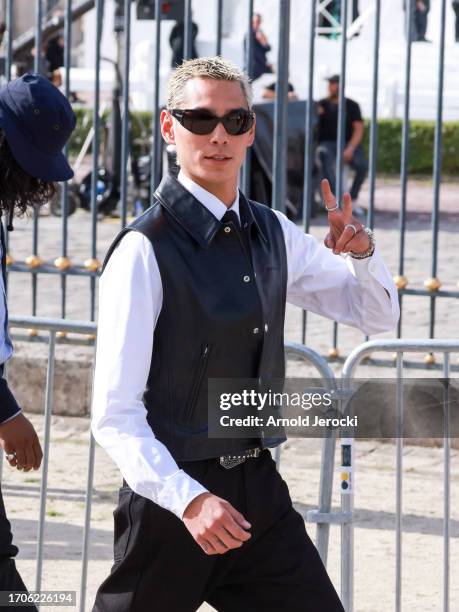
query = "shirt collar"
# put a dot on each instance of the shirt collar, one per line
(207, 199)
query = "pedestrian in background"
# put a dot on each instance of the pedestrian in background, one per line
(260, 47)
(456, 27)
(327, 137)
(36, 121)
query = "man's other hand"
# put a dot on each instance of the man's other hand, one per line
(20, 443)
(215, 525)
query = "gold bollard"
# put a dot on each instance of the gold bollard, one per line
(400, 281)
(432, 284)
(62, 263)
(34, 261)
(92, 264)
(429, 359)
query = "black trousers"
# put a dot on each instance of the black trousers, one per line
(159, 566)
(10, 580)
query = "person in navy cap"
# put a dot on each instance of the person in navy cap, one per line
(36, 121)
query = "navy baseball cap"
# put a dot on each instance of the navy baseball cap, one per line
(334, 78)
(37, 120)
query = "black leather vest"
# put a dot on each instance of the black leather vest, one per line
(222, 314)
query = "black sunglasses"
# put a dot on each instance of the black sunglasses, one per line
(201, 121)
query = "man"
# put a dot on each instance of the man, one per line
(269, 92)
(456, 24)
(327, 137)
(195, 289)
(177, 42)
(260, 47)
(420, 14)
(35, 123)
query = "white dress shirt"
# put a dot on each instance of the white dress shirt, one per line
(346, 290)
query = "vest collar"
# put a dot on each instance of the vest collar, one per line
(199, 222)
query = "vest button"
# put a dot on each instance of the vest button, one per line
(246, 279)
(266, 327)
(227, 230)
(255, 330)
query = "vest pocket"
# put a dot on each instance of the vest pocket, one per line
(197, 383)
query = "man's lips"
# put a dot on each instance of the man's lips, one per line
(218, 158)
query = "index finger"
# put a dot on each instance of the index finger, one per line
(234, 529)
(327, 193)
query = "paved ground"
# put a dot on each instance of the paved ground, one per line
(300, 467)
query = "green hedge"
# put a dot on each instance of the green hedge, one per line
(421, 142)
(421, 146)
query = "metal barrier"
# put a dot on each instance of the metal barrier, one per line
(323, 516)
(53, 327)
(354, 359)
(342, 22)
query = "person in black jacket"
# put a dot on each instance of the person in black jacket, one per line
(260, 47)
(177, 42)
(35, 123)
(456, 11)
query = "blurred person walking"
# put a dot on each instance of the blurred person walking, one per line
(36, 121)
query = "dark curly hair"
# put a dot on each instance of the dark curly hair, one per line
(18, 189)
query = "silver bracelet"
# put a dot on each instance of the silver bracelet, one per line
(369, 252)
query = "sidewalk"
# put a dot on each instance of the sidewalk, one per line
(300, 467)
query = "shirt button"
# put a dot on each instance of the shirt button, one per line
(246, 279)
(255, 330)
(227, 230)
(266, 327)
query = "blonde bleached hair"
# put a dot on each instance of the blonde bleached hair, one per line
(215, 68)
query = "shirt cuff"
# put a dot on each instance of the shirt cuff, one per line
(179, 490)
(11, 417)
(370, 267)
(8, 404)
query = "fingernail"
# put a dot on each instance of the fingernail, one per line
(247, 525)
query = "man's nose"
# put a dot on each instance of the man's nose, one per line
(219, 135)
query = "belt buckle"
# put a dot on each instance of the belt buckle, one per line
(230, 461)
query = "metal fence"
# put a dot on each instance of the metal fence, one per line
(400, 347)
(341, 25)
(324, 515)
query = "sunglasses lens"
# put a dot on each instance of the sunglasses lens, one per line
(201, 122)
(198, 122)
(238, 122)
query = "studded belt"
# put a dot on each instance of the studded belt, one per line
(229, 461)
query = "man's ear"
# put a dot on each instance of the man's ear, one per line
(167, 127)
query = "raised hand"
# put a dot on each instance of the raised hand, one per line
(345, 231)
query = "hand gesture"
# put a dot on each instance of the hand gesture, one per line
(215, 525)
(345, 232)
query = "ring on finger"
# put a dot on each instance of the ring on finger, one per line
(11, 456)
(333, 208)
(352, 226)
